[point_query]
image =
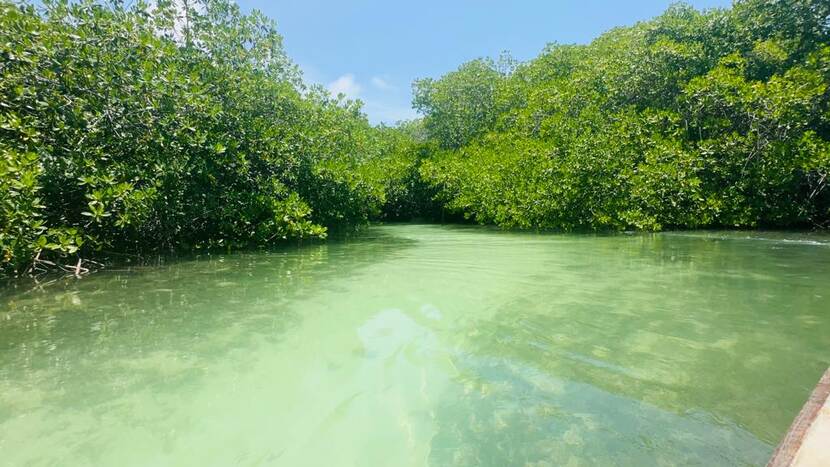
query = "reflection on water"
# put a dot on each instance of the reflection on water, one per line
(424, 345)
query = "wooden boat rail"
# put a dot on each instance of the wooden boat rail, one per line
(811, 421)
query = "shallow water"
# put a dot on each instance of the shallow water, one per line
(422, 345)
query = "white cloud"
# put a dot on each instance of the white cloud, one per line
(379, 107)
(346, 85)
(381, 84)
(388, 113)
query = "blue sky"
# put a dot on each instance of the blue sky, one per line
(373, 50)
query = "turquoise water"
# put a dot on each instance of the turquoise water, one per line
(417, 345)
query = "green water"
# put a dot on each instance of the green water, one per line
(422, 345)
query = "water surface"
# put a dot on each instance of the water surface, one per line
(418, 345)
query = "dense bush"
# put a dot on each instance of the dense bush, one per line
(184, 125)
(395, 169)
(716, 118)
(155, 128)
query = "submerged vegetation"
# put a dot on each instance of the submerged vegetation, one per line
(154, 128)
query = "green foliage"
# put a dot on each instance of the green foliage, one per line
(395, 169)
(461, 105)
(693, 119)
(184, 125)
(20, 208)
(141, 129)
